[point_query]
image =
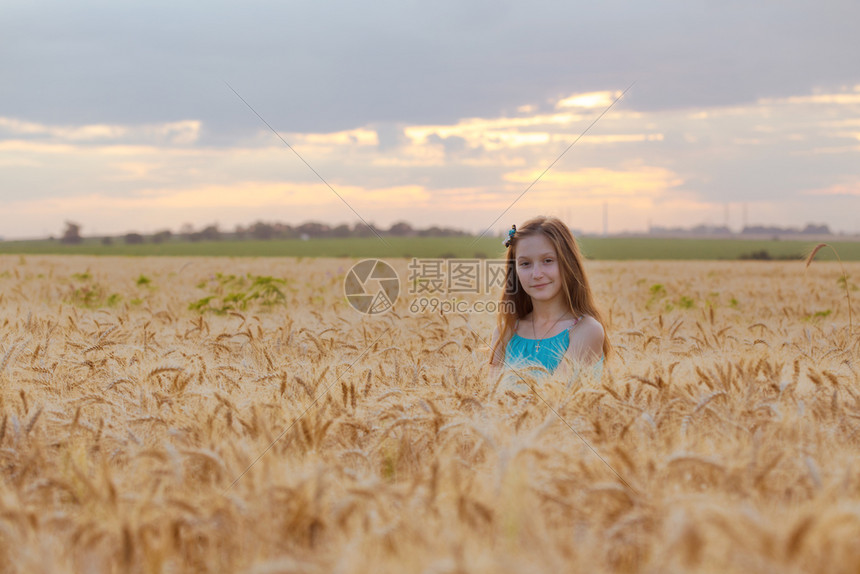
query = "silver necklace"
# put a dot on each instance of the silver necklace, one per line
(539, 341)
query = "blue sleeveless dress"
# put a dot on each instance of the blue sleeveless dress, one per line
(524, 358)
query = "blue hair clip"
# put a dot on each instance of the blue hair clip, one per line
(509, 239)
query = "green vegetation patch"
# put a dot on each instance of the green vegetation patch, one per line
(239, 292)
(84, 291)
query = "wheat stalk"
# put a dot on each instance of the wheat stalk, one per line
(809, 259)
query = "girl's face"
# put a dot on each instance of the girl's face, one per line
(537, 267)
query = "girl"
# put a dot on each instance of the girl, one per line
(547, 312)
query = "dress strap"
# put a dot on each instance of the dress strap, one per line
(576, 322)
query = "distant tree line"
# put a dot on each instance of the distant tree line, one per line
(810, 229)
(697, 230)
(313, 230)
(262, 230)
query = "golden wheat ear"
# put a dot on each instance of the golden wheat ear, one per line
(815, 251)
(809, 259)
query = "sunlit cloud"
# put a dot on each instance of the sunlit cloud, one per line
(35, 148)
(506, 133)
(512, 139)
(356, 137)
(477, 131)
(831, 150)
(613, 138)
(837, 189)
(496, 161)
(642, 184)
(747, 141)
(412, 156)
(588, 100)
(177, 133)
(134, 170)
(838, 99)
(461, 198)
(668, 166)
(841, 123)
(242, 194)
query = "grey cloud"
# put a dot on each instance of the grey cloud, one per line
(336, 65)
(454, 146)
(390, 136)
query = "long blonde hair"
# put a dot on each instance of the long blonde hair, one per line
(577, 292)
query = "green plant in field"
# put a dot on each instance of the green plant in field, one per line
(657, 291)
(844, 278)
(843, 282)
(733, 303)
(92, 296)
(818, 315)
(83, 291)
(143, 280)
(712, 300)
(202, 305)
(686, 302)
(238, 292)
(390, 454)
(266, 288)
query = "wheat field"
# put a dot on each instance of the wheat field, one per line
(236, 415)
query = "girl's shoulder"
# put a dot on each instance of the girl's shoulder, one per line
(588, 333)
(587, 325)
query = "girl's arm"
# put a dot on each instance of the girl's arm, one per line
(583, 353)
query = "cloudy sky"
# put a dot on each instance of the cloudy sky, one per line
(120, 115)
